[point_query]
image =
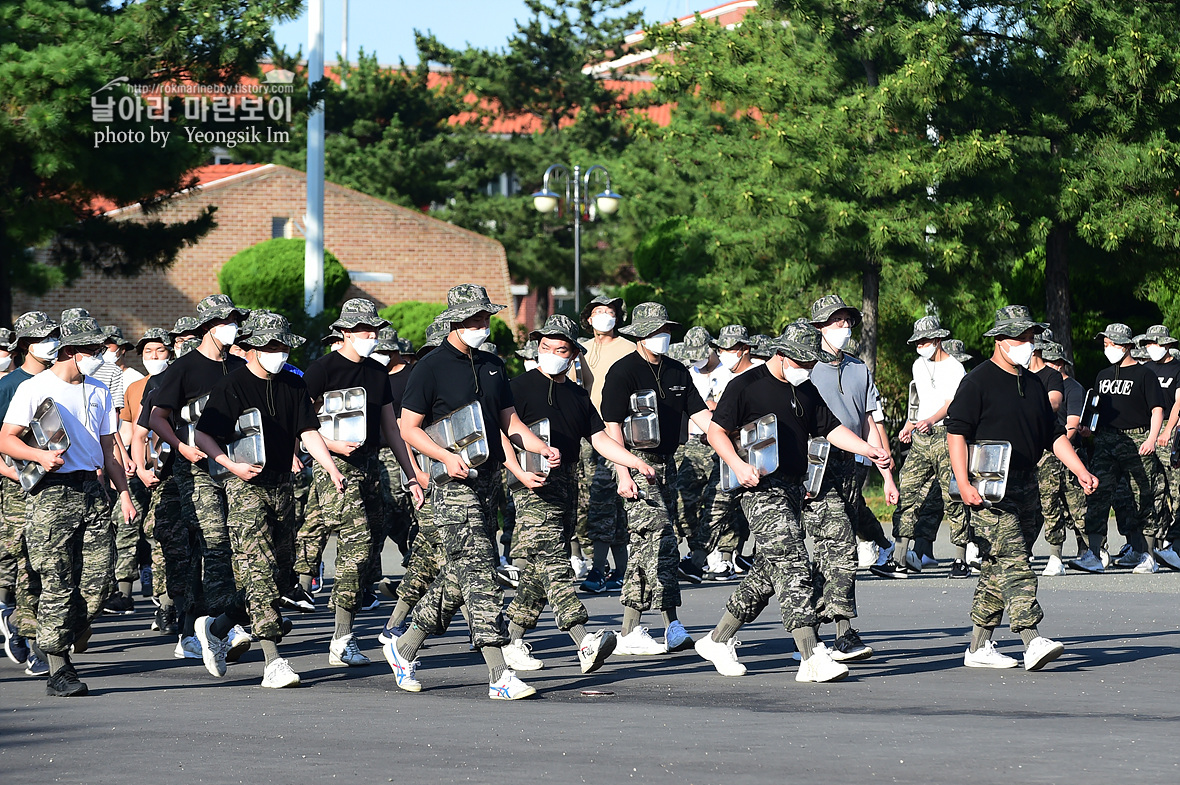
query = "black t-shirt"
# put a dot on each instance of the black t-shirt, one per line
(397, 388)
(334, 371)
(1075, 400)
(1167, 374)
(189, 377)
(676, 395)
(1051, 378)
(446, 380)
(994, 405)
(1126, 396)
(145, 411)
(572, 417)
(286, 413)
(801, 414)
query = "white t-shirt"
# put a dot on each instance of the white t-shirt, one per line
(130, 377)
(937, 383)
(86, 411)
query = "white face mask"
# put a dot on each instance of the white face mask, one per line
(364, 346)
(474, 338)
(796, 376)
(225, 334)
(926, 352)
(88, 364)
(552, 365)
(838, 337)
(603, 322)
(154, 367)
(1021, 354)
(5, 363)
(381, 357)
(46, 350)
(1114, 354)
(658, 344)
(1155, 352)
(272, 362)
(110, 357)
(701, 363)
(530, 365)
(729, 360)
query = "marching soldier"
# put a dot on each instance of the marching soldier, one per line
(1063, 502)
(1156, 342)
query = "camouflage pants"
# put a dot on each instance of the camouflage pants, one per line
(653, 551)
(588, 461)
(698, 473)
(827, 519)
(1063, 502)
(178, 542)
(545, 523)
(262, 531)
(926, 475)
(868, 528)
(202, 500)
(127, 534)
(348, 515)
(605, 517)
(425, 558)
(1116, 456)
(18, 572)
(505, 521)
(1173, 478)
(68, 534)
(301, 492)
(781, 568)
(1006, 580)
(461, 510)
(159, 566)
(397, 514)
(727, 523)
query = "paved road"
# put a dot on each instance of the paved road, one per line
(912, 713)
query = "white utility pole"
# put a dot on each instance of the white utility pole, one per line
(344, 42)
(313, 256)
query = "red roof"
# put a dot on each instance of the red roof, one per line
(205, 175)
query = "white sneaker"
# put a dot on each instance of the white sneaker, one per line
(1146, 566)
(1104, 557)
(1168, 557)
(797, 655)
(346, 651)
(238, 642)
(987, 657)
(722, 655)
(519, 657)
(279, 674)
(213, 649)
(1088, 562)
(404, 671)
(595, 648)
(884, 555)
(973, 559)
(187, 648)
(1054, 568)
(820, 667)
(913, 561)
(509, 688)
(640, 643)
(1040, 652)
(581, 567)
(714, 562)
(676, 638)
(866, 554)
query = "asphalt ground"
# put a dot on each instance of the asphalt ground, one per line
(1106, 711)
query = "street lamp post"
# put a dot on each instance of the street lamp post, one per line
(577, 186)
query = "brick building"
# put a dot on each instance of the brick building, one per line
(392, 253)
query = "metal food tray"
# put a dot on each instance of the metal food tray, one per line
(641, 429)
(987, 466)
(46, 431)
(532, 461)
(462, 432)
(913, 404)
(344, 415)
(818, 452)
(1089, 418)
(249, 447)
(189, 414)
(158, 454)
(756, 444)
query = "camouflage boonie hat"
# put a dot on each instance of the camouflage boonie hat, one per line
(1044, 336)
(612, 302)
(387, 340)
(1138, 352)
(955, 348)
(185, 325)
(558, 326)
(113, 334)
(677, 352)
(154, 335)
(70, 314)
(7, 339)
(1118, 333)
(359, 312)
(405, 346)
(465, 301)
(928, 328)
(803, 343)
(528, 351)
(730, 336)
(1158, 333)
(1012, 321)
(436, 333)
(761, 346)
(83, 331)
(1053, 352)
(34, 324)
(696, 345)
(187, 346)
(647, 319)
(268, 327)
(823, 309)
(216, 307)
(332, 337)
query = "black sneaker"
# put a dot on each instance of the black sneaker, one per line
(370, 600)
(849, 647)
(595, 583)
(119, 604)
(508, 576)
(745, 562)
(145, 582)
(888, 570)
(960, 569)
(688, 571)
(388, 587)
(285, 626)
(298, 599)
(614, 581)
(65, 684)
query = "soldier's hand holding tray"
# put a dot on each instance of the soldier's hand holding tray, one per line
(51, 460)
(748, 476)
(190, 453)
(532, 480)
(341, 448)
(455, 466)
(970, 495)
(243, 471)
(554, 457)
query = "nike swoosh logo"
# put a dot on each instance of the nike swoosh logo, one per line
(492, 373)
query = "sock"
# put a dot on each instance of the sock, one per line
(727, 556)
(515, 631)
(1029, 635)
(843, 626)
(980, 636)
(400, 612)
(8, 596)
(578, 633)
(56, 662)
(1151, 543)
(726, 628)
(576, 549)
(166, 601)
(631, 619)
(221, 626)
(1055, 550)
(270, 650)
(409, 644)
(805, 641)
(669, 615)
(699, 556)
(902, 546)
(620, 554)
(125, 588)
(305, 582)
(601, 553)
(188, 627)
(961, 553)
(494, 657)
(343, 623)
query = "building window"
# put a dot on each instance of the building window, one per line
(278, 227)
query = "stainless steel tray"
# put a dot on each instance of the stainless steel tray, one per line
(1089, 418)
(344, 415)
(641, 429)
(532, 461)
(756, 444)
(987, 466)
(914, 402)
(189, 414)
(158, 454)
(818, 452)
(462, 432)
(46, 431)
(249, 447)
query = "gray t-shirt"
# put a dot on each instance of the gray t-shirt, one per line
(849, 391)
